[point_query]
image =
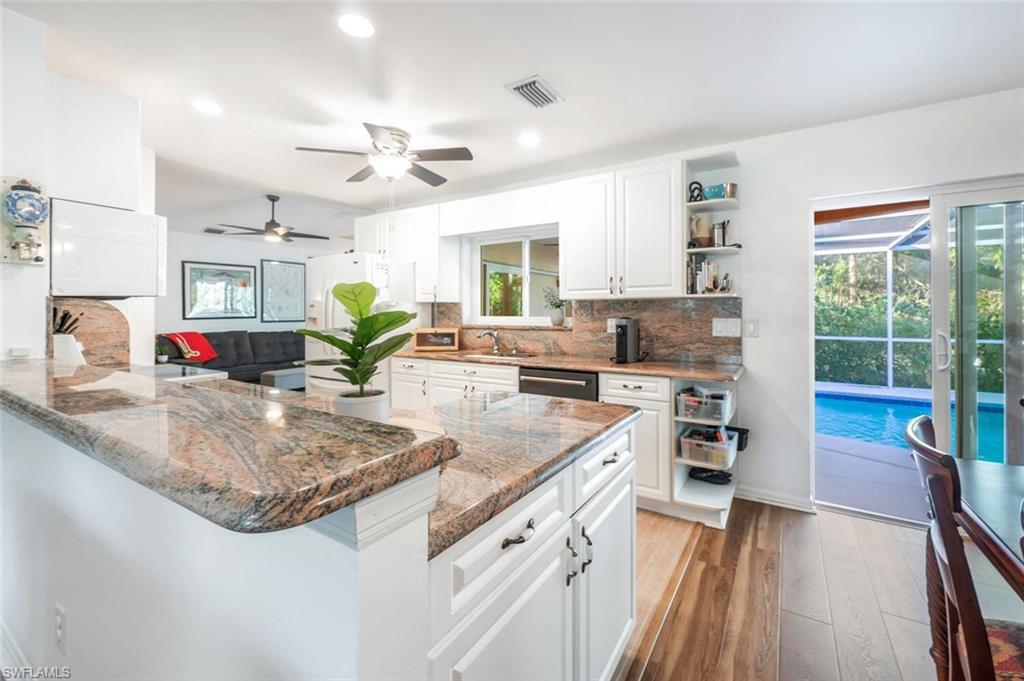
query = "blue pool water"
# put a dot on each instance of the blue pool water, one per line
(882, 421)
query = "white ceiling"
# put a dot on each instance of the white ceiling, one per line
(193, 199)
(637, 77)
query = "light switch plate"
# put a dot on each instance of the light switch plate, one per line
(726, 327)
(751, 327)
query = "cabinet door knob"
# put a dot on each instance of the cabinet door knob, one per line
(611, 286)
(620, 286)
(522, 538)
(424, 386)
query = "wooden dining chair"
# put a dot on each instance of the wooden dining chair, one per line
(920, 435)
(978, 650)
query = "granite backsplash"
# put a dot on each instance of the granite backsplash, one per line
(671, 330)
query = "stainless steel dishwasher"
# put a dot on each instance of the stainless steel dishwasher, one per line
(578, 385)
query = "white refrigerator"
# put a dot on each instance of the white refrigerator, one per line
(395, 282)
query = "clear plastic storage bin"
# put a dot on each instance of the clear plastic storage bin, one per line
(711, 406)
(708, 454)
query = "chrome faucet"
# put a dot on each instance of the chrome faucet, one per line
(495, 349)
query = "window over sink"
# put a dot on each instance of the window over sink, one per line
(510, 275)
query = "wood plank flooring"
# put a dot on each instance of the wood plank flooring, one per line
(787, 595)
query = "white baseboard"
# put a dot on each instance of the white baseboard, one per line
(773, 499)
(10, 652)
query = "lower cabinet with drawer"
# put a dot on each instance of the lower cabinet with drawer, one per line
(419, 383)
(547, 589)
(651, 395)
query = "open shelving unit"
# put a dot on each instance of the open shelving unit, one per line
(709, 170)
(698, 500)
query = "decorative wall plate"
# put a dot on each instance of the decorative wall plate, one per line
(26, 208)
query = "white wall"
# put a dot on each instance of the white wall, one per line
(170, 594)
(22, 287)
(229, 250)
(965, 139)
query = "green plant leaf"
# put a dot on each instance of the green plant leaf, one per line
(360, 376)
(376, 325)
(381, 351)
(317, 362)
(357, 298)
(333, 341)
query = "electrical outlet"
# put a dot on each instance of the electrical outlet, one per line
(60, 627)
(721, 326)
(20, 352)
(612, 321)
(751, 327)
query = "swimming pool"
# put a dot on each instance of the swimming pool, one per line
(882, 421)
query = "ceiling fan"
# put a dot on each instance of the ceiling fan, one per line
(272, 229)
(391, 157)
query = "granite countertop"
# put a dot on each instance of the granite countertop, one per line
(697, 371)
(243, 458)
(509, 443)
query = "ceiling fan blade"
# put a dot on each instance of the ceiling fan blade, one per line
(303, 235)
(428, 176)
(380, 135)
(332, 151)
(361, 175)
(243, 234)
(248, 229)
(287, 239)
(447, 154)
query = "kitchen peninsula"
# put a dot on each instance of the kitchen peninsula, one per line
(313, 545)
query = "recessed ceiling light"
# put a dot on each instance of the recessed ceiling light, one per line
(207, 106)
(529, 139)
(356, 25)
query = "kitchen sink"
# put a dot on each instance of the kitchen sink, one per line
(505, 355)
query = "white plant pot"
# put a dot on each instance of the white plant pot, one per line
(375, 406)
(162, 358)
(557, 317)
(66, 350)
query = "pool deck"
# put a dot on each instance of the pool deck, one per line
(870, 477)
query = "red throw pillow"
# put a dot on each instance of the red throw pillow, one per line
(193, 345)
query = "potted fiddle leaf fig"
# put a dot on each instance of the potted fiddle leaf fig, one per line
(363, 350)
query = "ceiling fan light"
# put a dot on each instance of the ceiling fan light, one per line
(272, 238)
(389, 166)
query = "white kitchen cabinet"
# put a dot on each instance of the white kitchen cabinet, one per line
(606, 583)
(409, 391)
(651, 446)
(525, 632)
(94, 145)
(370, 234)
(586, 238)
(621, 234)
(444, 390)
(649, 215)
(106, 252)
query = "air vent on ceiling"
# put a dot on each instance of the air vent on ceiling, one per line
(214, 230)
(534, 91)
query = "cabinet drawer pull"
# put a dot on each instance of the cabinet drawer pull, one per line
(588, 550)
(408, 366)
(611, 286)
(471, 372)
(632, 387)
(620, 286)
(424, 386)
(614, 458)
(522, 538)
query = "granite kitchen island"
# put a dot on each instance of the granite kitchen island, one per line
(227, 530)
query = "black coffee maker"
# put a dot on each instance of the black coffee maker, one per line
(627, 341)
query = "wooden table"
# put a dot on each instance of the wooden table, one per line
(991, 494)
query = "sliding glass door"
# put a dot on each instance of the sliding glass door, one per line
(977, 310)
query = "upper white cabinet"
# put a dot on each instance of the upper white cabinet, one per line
(106, 252)
(93, 145)
(504, 210)
(414, 234)
(586, 238)
(371, 234)
(621, 234)
(649, 217)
